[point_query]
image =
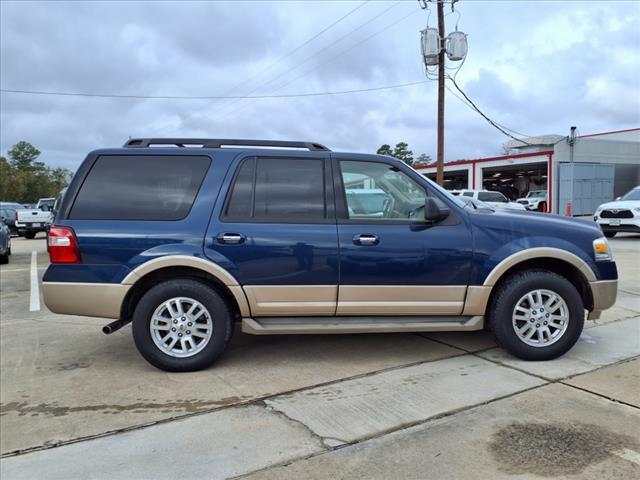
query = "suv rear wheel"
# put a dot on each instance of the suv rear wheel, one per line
(182, 325)
(536, 315)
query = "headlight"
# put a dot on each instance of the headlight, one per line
(601, 249)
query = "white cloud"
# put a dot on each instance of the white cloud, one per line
(536, 67)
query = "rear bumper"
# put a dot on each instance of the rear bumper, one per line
(88, 299)
(29, 227)
(604, 294)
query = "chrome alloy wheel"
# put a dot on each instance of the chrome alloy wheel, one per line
(181, 327)
(540, 318)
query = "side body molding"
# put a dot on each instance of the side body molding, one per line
(207, 266)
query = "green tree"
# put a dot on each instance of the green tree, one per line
(423, 159)
(385, 150)
(402, 152)
(24, 180)
(23, 156)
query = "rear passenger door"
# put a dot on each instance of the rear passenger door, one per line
(276, 228)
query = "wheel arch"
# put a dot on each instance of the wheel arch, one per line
(558, 261)
(155, 271)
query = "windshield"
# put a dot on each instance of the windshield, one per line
(537, 194)
(632, 195)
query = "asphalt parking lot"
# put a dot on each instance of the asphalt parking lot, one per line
(75, 403)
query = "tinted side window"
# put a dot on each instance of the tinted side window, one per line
(278, 188)
(241, 199)
(140, 188)
(468, 194)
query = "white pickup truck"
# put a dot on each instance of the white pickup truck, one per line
(31, 221)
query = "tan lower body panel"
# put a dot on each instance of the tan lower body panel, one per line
(292, 300)
(476, 301)
(88, 299)
(604, 293)
(355, 325)
(400, 300)
(241, 300)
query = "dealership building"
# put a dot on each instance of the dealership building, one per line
(605, 166)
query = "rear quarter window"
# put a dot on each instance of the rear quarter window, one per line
(140, 187)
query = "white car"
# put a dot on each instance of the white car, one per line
(535, 200)
(495, 200)
(621, 215)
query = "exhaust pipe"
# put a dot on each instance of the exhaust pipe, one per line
(113, 326)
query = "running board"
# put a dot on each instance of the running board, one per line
(315, 325)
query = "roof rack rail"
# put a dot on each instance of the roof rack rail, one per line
(220, 142)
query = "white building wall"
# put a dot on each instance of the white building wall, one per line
(628, 136)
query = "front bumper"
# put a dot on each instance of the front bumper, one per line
(631, 225)
(604, 293)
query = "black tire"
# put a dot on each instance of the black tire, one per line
(511, 290)
(609, 234)
(4, 259)
(220, 313)
(542, 207)
(30, 235)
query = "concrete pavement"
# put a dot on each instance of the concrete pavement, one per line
(319, 404)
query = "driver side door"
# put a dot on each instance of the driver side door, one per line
(392, 262)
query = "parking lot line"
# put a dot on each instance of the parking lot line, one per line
(630, 455)
(34, 300)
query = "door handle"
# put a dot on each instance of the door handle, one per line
(366, 239)
(230, 238)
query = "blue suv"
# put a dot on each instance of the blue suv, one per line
(184, 238)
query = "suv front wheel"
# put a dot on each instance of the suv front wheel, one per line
(536, 315)
(182, 325)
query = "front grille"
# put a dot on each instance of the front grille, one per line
(616, 214)
(524, 202)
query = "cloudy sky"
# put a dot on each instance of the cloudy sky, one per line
(536, 67)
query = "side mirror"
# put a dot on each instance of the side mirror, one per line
(618, 198)
(435, 210)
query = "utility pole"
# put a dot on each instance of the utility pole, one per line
(435, 44)
(440, 155)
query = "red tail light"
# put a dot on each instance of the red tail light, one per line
(16, 215)
(62, 245)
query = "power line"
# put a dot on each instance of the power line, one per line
(348, 49)
(339, 54)
(494, 124)
(214, 97)
(291, 52)
(323, 49)
(467, 104)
